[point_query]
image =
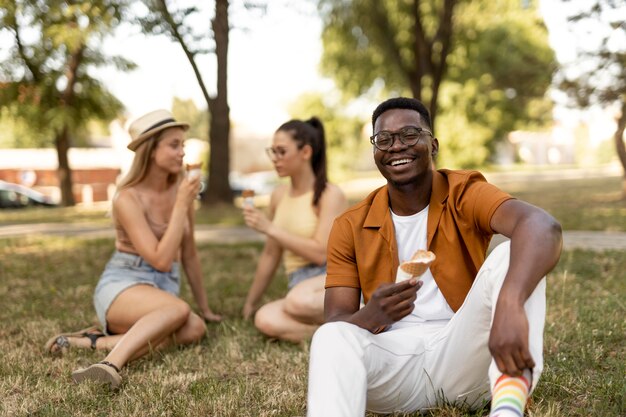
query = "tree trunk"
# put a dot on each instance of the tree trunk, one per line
(430, 55)
(62, 140)
(219, 190)
(620, 146)
(444, 39)
(64, 172)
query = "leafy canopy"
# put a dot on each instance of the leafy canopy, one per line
(497, 71)
(53, 40)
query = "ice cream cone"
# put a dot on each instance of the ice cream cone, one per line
(416, 266)
(194, 170)
(248, 198)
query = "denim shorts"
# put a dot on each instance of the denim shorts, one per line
(125, 270)
(304, 273)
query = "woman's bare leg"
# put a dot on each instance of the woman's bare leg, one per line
(305, 301)
(185, 335)
(298, 315)
(147, 317)
(102, 343)
(273, 321)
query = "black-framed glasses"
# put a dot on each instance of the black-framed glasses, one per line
(408, 135)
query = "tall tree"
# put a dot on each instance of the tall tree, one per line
(598, 76)
(500, 70)
(483, 64)
(45, 78)
(406, 43)
(164, 19)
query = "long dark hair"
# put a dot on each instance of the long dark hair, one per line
(311, 132)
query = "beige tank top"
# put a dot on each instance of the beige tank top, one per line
(297, 216)
(123, 242)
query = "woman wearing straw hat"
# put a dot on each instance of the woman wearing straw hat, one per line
(136, 299)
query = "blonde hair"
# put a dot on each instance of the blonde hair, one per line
(141, 162)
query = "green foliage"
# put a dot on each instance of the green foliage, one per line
(198, 120)
(355, 54)
(344, 133)
(498, 68)
(52, 41)
(16, 133)
(604, 153)
(503, 66)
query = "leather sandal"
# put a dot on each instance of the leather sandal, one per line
(102, 372)
(56, 345)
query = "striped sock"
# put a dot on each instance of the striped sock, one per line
(509, 395)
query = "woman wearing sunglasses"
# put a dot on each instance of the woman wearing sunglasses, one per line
(301, 214)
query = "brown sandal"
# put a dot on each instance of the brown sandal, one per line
(62, 343)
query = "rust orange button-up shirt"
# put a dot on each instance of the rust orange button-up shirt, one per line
(362, 250)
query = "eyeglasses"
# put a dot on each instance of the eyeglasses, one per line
(408, 135)
(275, 153)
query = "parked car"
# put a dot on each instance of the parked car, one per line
(17, 196)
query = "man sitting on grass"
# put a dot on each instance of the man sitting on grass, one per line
(469, 329)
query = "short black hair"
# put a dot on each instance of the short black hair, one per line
(402, 103)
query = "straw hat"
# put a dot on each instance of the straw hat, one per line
(149, 125)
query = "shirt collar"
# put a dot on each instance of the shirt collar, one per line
(379, 208)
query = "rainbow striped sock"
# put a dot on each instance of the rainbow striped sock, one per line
(509, 395)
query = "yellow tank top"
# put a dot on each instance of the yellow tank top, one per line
(297, 216)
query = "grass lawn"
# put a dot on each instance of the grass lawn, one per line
(579, 204)
(46, 285)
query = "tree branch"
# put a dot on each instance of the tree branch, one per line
(422, 46)
(22, 52)
(71, 73)
(174, 30)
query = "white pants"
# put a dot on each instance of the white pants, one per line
(418, 367)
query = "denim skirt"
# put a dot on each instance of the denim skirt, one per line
(304, 273)
(125, 270)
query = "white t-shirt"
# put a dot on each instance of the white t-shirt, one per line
(411, 236)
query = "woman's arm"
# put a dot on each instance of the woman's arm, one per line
(158, 253)
(268, 262)
(193, 270)
(332, 203)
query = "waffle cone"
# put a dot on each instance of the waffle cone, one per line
(419, 263)
(193, 170)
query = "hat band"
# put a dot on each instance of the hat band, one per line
(161, 123)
